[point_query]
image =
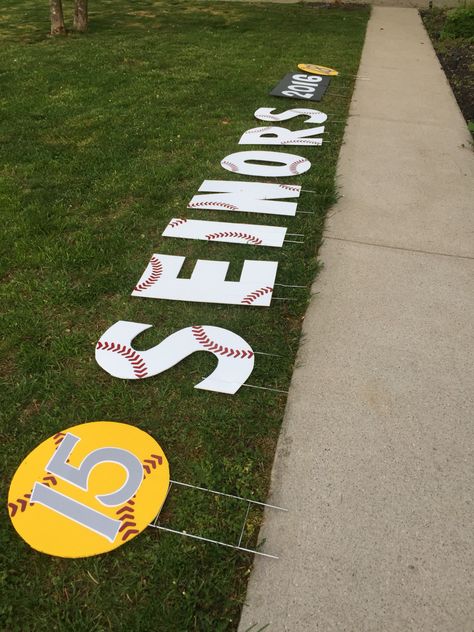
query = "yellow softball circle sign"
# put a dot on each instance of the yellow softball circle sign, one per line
(318, 70)
(88, 489)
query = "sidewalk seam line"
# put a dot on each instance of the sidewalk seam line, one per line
(378, 245)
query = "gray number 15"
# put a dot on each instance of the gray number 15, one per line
(79, 477)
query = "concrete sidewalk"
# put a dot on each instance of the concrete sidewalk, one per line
(375, 458)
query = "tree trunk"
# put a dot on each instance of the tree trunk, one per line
(57, 17)
(80, 15)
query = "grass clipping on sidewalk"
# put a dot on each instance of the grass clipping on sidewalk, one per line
(105, 137)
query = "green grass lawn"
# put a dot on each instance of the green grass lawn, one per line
(104, 138)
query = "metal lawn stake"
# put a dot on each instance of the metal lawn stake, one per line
(155, 524)
(325, 71)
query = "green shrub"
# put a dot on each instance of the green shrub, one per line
(459, 23)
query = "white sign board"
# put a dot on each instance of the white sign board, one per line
(207, 283)
(248, 197)
(252, 234)
(115, 354)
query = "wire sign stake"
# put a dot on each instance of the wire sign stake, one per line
(237, 546)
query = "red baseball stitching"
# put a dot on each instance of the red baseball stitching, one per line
(250, 298)
(256, 130)
(289, 187)
(126, 513)
(138, 364)
(58, 437)
(307, 112)
(23, 502)
(302, 141)
(231, 165)
(149, 464)
(203, 339)
(176, 222)
(251, 238)
(156, 272)
(294, 166)
(231, 207)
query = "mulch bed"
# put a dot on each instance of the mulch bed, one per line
(457, 59)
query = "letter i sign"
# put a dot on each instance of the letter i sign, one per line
(88, 489)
